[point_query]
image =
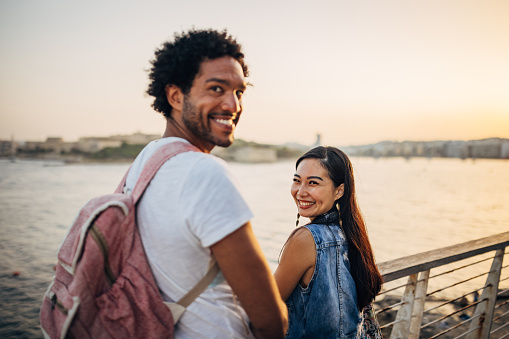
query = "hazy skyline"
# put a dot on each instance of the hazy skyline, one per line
(356, 73)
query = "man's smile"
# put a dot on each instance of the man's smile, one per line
(228, 122)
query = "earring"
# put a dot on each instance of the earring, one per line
(297, 223)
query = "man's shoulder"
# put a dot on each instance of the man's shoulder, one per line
(201, 162)
(204, 159)
(191, 162)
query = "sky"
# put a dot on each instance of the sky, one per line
(354, 72)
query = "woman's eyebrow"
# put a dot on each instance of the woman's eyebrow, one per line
(315, 177)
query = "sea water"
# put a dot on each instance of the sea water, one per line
(410, 206)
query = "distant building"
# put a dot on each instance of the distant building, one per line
(95, 144)
(6, 147)
(51, 145)
(407, 149)
(318, 141)
(136, 138)
(255, 154)
(487, 148)
(456, 149)
(92, 144)
(504, 150)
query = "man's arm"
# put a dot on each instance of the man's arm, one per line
(244, 266)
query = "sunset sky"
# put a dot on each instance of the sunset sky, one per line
(355, 72)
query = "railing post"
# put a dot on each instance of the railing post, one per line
(401, 329)
(485, 309)
(418, 309)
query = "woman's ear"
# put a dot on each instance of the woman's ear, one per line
(174, 96)
(340, 190)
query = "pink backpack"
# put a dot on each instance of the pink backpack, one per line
(103, 286)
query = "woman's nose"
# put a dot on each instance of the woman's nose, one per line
(302, 190)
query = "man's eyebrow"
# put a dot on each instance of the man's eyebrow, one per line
(226, 82)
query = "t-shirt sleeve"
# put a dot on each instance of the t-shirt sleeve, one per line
(211, 201)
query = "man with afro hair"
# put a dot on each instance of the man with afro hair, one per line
(192, 210)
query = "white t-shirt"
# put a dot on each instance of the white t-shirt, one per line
(191, 203)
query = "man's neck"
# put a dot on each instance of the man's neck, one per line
(174, 129)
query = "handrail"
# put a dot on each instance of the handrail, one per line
(413, 264)
(408, 317)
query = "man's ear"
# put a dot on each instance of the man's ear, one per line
(174, 96)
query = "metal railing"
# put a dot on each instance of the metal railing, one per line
(460, 291)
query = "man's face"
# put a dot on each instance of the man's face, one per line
(212, 108)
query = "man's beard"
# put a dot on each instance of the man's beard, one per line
(193, 120)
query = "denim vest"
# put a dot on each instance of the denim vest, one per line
(327, 307)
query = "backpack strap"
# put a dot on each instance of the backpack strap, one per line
(163, 154)
(178, 308)
(201, 285)
(121, 185)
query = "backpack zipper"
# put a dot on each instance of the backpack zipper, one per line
(103, 246)
(58, 304)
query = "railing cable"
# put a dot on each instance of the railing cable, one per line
(503, 314)
(451, 301)
(393, 289)
(469, 331)
(390, 307)
(455, 326)
(462, 267)
(458, 283)
(453, 313)
(500, 316)
(392, 324)
(502, 292)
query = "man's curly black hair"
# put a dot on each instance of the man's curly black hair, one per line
(178, 62)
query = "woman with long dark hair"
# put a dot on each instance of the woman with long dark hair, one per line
(327, 273)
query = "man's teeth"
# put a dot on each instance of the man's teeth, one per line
(228, 122)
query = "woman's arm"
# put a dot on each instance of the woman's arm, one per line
(297, 262)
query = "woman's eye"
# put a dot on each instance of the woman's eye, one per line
(313, 182)
(295, 180)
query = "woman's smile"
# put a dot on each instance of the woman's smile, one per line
(305, 204)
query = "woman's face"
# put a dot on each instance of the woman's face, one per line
(313, 190)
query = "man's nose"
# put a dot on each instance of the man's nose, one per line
(231, 104)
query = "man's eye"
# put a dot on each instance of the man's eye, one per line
(239, 94)
(295, 180)
(217, 89)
